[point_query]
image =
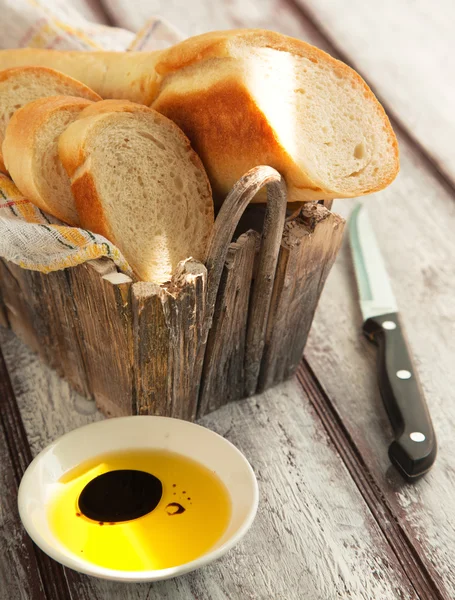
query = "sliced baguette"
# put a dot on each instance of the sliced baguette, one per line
(122, 75)
(137, 181)
(247, 97)
(31, 153)
(21, 85)
(252, 97)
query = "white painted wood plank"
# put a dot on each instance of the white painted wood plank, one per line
(406, 50)
(314, 536)
(19, 579)
(414, 221)
(200, 16)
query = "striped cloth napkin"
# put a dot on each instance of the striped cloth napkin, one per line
(29, 237)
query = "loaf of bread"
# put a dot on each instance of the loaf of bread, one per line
(31, 153)
(21, 85)
(136, 180)
(250, 97)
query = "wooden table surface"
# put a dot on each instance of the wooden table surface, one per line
(335, 518)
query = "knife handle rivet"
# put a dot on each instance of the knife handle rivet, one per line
(404, 374)
(389, 325)
(417, 436)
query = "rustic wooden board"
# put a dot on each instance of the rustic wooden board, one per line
(19, 574)
(41, 310)
(314, 536)
(414, 221)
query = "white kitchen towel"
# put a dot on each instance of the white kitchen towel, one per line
(28, 236)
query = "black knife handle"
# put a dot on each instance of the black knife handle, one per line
(414, 449)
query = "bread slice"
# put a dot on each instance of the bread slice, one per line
(21, 85)
(248, 97)
(252, 97)
(31, 153)
(137, 181)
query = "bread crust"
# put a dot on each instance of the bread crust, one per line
(20, 145)
(127, 75)
(78, 89)
(221, 121)
(85, 91)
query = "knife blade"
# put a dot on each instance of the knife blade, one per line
(414, 449)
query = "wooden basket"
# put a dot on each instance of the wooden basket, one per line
(214, 334)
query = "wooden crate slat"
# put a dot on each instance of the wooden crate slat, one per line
(185, 311)
(261, 293)
(17, 312)
(42, 311)
(223, 378)
(167, 333)
(103, 314)
(151, 347)
(311, 240)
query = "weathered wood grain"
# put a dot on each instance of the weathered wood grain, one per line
(261, 293)
(17, 314)
(310, 244)
(406, 51)
(41, 310)
(25, 571)
(313, 536)
(84, 336)
(101, 332)
(223, 378)
(103, 318)
(408, 219)
(414, 219)
(151, 346)
(228, 219)
(186, 316)
(19, 573)
(167, 335)
(402, 545)
(4, 321)
(424, 510)
(226, 223)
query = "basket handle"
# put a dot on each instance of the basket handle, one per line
(225, 225)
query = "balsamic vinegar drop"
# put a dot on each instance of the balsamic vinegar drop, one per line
(120, 495)
(139, 510)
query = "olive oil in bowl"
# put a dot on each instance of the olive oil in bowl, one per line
(139, 510)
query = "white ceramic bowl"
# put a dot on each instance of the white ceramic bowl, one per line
(128, 433)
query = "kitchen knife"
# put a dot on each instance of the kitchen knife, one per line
(414, 449)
